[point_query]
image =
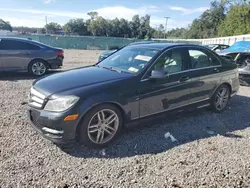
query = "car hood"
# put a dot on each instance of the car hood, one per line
(76, 78)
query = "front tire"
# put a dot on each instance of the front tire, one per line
(220, 98)
(37, 68)
(100, 126)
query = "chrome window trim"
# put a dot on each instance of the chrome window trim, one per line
(189, 70)
(214, 66)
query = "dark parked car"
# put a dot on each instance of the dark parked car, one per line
(217, 47)
(92, 104)
(26, 55)
(104, 55)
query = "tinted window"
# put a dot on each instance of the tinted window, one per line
(202, 59)
(17, 45)
(170, 62)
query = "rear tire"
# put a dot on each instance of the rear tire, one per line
(100, 126)
(37, 67)
(220, 98)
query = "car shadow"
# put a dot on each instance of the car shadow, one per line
(17, 76)
(165, 132)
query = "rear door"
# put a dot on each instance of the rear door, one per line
(15, 54)
(205, 73)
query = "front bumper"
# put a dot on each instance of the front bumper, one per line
(52, 125)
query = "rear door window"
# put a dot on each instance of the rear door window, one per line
(17, 45)
(199, 58)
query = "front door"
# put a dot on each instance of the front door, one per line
(170, 92)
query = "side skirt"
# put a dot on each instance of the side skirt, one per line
(165, 115)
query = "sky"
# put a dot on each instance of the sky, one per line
(32, 13)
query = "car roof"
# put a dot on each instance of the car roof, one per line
(26, 40)
(21, 39)
(16, 38)
(161, 46)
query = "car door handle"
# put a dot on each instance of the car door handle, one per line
(184, 78)
(216, 70)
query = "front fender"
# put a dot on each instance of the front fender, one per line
(101, 98)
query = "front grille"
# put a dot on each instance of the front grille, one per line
(36, 99)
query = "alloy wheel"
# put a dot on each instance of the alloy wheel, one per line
(222, 98)
(38, 68)
(103, 126)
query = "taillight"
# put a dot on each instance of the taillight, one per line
(59, 53)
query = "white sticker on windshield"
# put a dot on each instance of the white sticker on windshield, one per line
(133, 69)
(143, 57)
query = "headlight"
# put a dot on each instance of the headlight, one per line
(61, 104)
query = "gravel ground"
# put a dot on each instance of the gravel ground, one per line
(194, 149)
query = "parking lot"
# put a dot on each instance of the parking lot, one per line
(194, 149)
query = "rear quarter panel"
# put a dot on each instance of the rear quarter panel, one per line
(46, 54)
(228, 75)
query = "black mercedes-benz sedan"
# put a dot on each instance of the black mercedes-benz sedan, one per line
(93, 104)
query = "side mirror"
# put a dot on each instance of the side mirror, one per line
(157, 74)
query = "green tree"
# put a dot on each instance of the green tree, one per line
(144, 29)
(98, 26)
(53, 27)
(93, 15)
(135, 26)
(5, 25)
(237, 21)
(180, 33)
(77, 26)
(208, 23)
(124, 28)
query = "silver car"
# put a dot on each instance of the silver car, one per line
(18, 54)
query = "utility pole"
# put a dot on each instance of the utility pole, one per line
(166, 26)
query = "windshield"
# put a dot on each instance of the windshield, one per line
(129, 59)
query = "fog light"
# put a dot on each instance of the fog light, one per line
(71, 117)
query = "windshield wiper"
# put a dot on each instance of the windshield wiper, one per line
(114, 69)
(111, 68)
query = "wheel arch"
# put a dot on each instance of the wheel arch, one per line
(117, 105)
(220, 84)
(38, 59)
(229, 86)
